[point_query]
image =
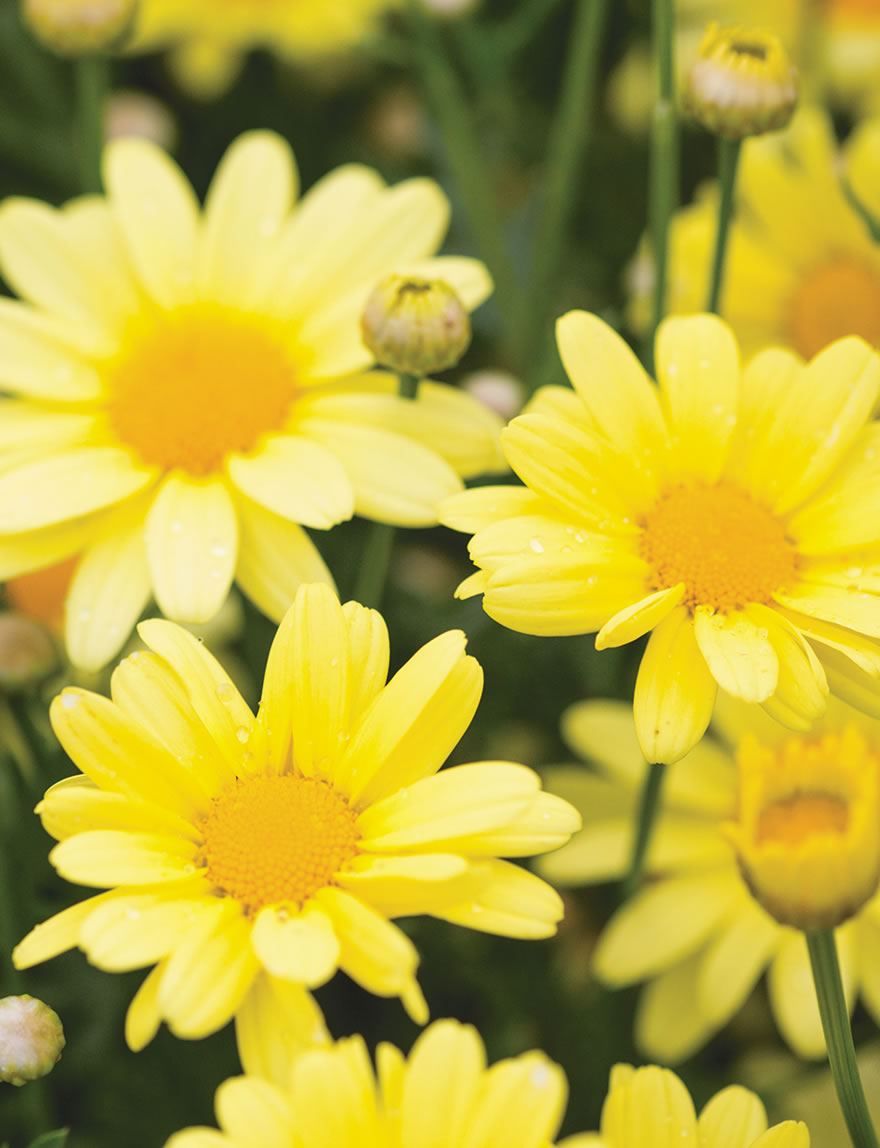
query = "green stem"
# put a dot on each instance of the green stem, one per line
(649, 807)
(376, 559)
(569, 138)
(91, 88)
(728, 160)
(838, 1038)
(465, 153)
(523, 26)
(663, 179)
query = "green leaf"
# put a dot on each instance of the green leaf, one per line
(56, 1139)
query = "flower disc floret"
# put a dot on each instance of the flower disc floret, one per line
(838, 297)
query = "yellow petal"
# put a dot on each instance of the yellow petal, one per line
(297, 478)
(296, 945)
(793, 995)
(802, 689)
(108, 593)
(57, 935)
(37, 549)
(652, 1106)
(507, 900)
(442, 1085)
(76, 804)
(68, 484)
(698, 371)
(674, 693)
(137, 930)
(334, 1097)
(767, 381)
(275, 558)
(545, 823)
(523, 1103)
(735, 959)
(639, 619)
(143, 1017)
(738, 653)
(249, 199)
(612, 383)
(854, 609)
(402, 886)
(37, 361)
(733, 1118)
(473, 510)
(369, 655)
(788, 1134)
(102, 857)
(276, 1022)
(192, 544)
(669, 1026)
(843, 513)
(159, 216)
(254, 1111)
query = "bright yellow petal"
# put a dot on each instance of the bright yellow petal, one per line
(415, 723)
(738, 653)
(733, 1118)
(137, 930)
(57, 935)
(507, 900)
(369, 655)
(334, 1097)
(613, 384)
(108, 593)
(402, 886)
(249, 199)
(848, 681)
(546, 823)
(296, 945)
(276, 1022)
(802, 689)
(639, 619)
(674, 693)
(143, 1017)
(275, 558)
(67, 485)
(843, 513)
(441, 1086)
(697, 363)
(297, 478)
(650, 1106)
(37, 362)
(523, 1103)
(192, 545)
(789, 1134)
(75, 804)
(254, 1111)
(473, 510)
(103, 857)
(159, 217)
(855, 609)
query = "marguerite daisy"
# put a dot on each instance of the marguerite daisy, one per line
(716, 941)
(189, 388)
(730, 513)
(245, 856)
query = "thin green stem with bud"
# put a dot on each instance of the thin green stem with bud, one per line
(838, 1037)
(728, 162)
(376, 559)
(649, 807)
(91, 74)
(663, 190)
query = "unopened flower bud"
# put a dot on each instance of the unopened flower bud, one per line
(27, 653)
(415, 326)
(80, 27)
(500, 391)
(742, 82)
(807, 837)
(31, 1039)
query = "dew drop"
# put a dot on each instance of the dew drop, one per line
(242, 734)
(536, 545)
(224, 691)
(176, 527)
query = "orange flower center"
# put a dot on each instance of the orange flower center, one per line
(203, 383)
(841, 297)
(855, 11)
(726, 548)
(274, 839)
(41, 593)
(799, 818)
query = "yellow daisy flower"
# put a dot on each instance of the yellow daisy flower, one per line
(189, 388)
(441, 1096)
(246, 855)
(802, 269)
(733, 513)
(209, 38)
(695, 933)
(651, 1108)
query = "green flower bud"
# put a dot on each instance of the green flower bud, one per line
(31, 1039)
(27, 653)
(415, 326)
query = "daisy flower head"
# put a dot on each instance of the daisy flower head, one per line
(442, 1095)
(247, 855)
(802, 269)
(716, 939)
(188, 388)
(730, 513)
(208, 39)
(651, 1108)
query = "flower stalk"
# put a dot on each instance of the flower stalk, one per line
(838, 1037)
(728, 162)
(663, 190)
(91, 74)
(649, 807)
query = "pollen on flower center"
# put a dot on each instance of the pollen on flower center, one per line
(798, 818)
(726, 548)
(275, 839)
(200, 384)
(840, 297)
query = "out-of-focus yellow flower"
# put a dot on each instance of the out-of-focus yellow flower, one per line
(802, 269)
(190, 387)
(806, 832)
(715, 940)
(79, 27)
(726, 514)
(649, 1107)
(209, 38)
(742, 82)
(442, 1094)
(244, 855)
(847, 43)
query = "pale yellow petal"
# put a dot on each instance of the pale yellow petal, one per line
(639, 619)
(522, 1103)
(254, 1111)
(789, 1134)
(38, 361)
(738, 652)
(143, 1017)
(442, 1086)
(612, 383)
(68, 484)
(137, 930)
(403, 886)
(793, 995)
(855, 609)
(697, 362)
(649, 1105)
(298, 478)
(802, 688)
(108, 593)
(296, 945)
(103, 857)
(76, 804)
(507, 900)
(849, 681)
(674, 693)
(37, 549)
(249, 199)
(57, 935)
(276, 1022)
(275, 558)
(767, 381)
(669, 1026)
(733, 1118)
(473, 510)
(334, 1099)
(735, 959)
(842, 515)
(192, 546)
(546, 823)
(369, 654)
(159, 216)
